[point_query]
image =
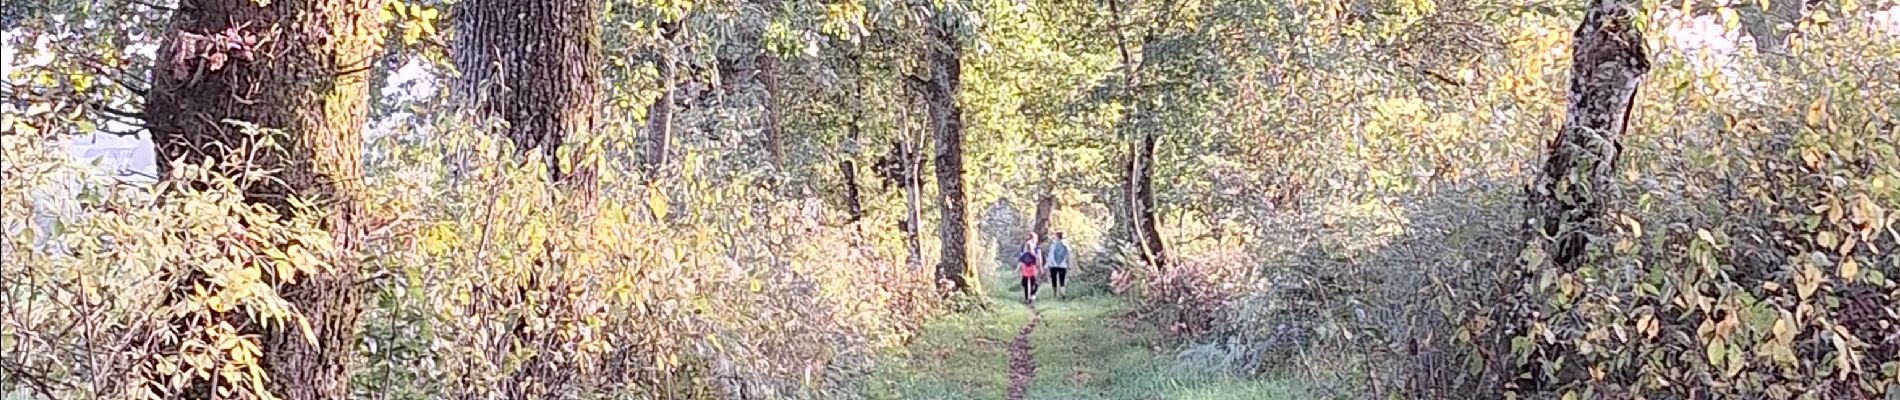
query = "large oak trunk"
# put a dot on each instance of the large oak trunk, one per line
(300, 67)
(1046, 200)
(534, 64)
(1045, 207)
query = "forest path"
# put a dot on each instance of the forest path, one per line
(1064, 348)
(1022, 360)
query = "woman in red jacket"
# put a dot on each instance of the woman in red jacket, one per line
(1029, 264)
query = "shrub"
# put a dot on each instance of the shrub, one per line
(145, 292)
(484, 282)
(1751, 254)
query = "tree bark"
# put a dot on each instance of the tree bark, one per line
(301, 67)
(853, 201)
(534, 64)
(1608, 65)
(1567, 203)
(768, 74)
(854, 134)
(660, 113)
(1142, 203)
(1138, 169)
(946, 126)
(1045, 206)
(911, 158)
(1046, 201)
(1764, 26)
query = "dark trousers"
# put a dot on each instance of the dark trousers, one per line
(1030, 285)
(1058, 277)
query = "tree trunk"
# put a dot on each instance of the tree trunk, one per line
(660, 113)
(1138, 169)
(853, 206)
(535, 65)
(853, 201)
(1764, 26)
(854, 136)
(1608, 64)
(1142, 195)
(299, 66)
(1046, 201)
(946, 125)
(853, 198)
(1567, 203)
(768, 74)
(1045, 206)
(912, 164)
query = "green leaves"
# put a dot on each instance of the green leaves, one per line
(1716, 351)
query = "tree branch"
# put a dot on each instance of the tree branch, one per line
(357, 70)
(129, 117)
(108, 109)
(913, 82)
(40, 382)
(152, 6)
(118, 78)
(1121, 42)
(1435, 75)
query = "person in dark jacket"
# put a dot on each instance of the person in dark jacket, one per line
(1028, 263)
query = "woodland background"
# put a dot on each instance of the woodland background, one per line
(662, 199)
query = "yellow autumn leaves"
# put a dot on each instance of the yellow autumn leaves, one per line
(416, 20)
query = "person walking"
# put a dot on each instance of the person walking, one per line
(1059, 265)
(1028, 263)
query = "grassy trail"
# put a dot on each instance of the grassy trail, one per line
(1079, 350)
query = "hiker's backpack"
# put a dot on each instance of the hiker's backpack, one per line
(1026, 258)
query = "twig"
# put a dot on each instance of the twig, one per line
(920, 85)
(1440, 77)
(42, 385)
(373, 277)
(152, 6)
(118, 78)
(130, 117)
(92, 356)
(108, 109)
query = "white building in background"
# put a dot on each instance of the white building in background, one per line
(132, 159)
